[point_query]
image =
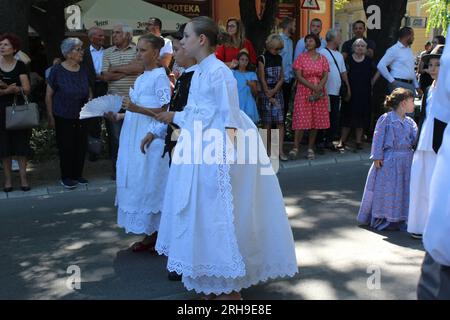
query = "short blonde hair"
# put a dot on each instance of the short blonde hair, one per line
(274, 41)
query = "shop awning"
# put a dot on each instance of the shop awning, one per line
(135, 13)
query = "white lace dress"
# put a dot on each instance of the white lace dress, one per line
(141, 179)
(422, 170)
(224, 226)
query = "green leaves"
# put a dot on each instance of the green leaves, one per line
(439, 14)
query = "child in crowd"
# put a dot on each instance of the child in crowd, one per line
(247, 85)
(386, 196)
(271, 76)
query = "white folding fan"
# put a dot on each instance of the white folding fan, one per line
(101, 105)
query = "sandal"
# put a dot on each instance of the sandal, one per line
(311, 155)
(293, 154)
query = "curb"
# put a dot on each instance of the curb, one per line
(103, 185)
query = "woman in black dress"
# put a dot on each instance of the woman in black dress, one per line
(13, 78)
(355, 114)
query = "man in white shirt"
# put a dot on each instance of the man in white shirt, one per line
(154, 26)
(314, 27)
(401, 61)
(338, 73)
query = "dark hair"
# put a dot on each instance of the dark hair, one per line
(250, 66)
(180, 33)
(315, 38)
(428, 43)
(285, 22)
(396, 97)
(155, 41)
(206, 26)
(359, 22)
(155, 22)
(317, 20)
(13, 39)
(440, 39)
(405, 32)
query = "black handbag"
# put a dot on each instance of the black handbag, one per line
(95, 145)
(20, 117)
(343, 90)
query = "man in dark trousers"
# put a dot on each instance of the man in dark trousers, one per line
(93, 60)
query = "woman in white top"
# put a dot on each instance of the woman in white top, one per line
(141, 178)
(224, 225)
(425, 156)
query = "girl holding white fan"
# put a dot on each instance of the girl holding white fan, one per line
(141, 178)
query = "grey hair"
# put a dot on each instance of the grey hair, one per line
(358, 41)
(331, 35)
(69, 44)
(92, 31)
(126, 29)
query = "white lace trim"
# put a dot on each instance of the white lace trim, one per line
(138, 222)
(222, 285)
(237, 267)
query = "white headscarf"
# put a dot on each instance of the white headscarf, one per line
(441, 96)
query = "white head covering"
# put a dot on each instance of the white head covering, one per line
(441, 96)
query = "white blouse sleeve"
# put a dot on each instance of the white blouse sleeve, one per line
(226, 93)
(162, 89)
(158, 129)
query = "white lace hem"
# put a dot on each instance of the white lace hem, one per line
(138, 222)
(223, 285)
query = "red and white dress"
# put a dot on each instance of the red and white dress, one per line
(310, 115)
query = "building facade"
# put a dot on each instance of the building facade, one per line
(221, 10)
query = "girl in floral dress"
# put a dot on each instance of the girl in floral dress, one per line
(385, 201)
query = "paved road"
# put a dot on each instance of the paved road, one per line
(40, 237)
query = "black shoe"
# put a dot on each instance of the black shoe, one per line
(7, 190)
(359, 146)
(416, 236)
(69, 183)
(82, 181)
(25, 188)
(173, 276)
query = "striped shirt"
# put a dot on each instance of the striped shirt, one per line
(114, 57)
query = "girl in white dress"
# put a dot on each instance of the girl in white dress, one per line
(224, 226)
(141, 178)
(424, 160)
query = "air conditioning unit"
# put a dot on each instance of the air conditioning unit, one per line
(416, 22)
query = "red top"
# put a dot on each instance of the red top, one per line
(228, 54)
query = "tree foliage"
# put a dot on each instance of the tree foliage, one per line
(438, 14)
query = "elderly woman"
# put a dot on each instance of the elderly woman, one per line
(13, 79)
(355, 114)
(67, 92)
(311, 100)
